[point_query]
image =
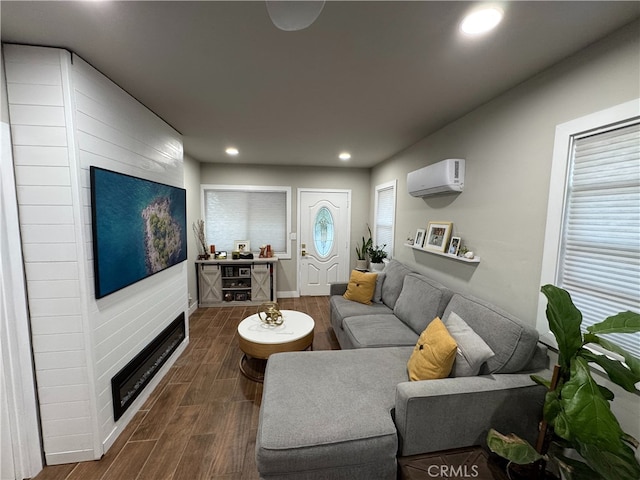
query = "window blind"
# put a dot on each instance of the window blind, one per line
(257, 216)
(600, 256)
(385, 215)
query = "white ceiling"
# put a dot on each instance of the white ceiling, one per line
(369, 77)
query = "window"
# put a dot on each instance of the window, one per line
(385, 215)
(323, 232)
(261, 215)
(592, 244)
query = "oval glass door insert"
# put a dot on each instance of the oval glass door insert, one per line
(323, 232)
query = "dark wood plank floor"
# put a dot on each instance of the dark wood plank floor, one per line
(200, 422)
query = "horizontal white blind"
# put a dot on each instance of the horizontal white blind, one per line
(385, 215)
(257, 216)
(600, 261)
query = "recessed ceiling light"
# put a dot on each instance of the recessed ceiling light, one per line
(481, 21)
(344, 156)
(232, 151)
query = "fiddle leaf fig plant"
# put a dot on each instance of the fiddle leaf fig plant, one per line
(576, 409)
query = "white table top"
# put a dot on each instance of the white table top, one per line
(296, 325)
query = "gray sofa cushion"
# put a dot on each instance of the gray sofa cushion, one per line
(394, 278)
(377, 295)
(313, 405)
(420, 301)
(342, 308)
(378, 331)
(472, 350)
(513, 342)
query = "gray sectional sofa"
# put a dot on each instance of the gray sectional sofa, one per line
(348, 414)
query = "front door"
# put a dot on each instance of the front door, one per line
(324, 232)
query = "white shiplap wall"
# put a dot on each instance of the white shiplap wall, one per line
(118, 133)
(65, 116)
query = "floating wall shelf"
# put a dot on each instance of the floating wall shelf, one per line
(446, 255)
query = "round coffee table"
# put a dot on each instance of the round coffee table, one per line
(258, 341)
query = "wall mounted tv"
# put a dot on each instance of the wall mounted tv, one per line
(139, 228)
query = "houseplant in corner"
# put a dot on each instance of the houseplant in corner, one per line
(362, 251)
(376, 255)
(577, 413)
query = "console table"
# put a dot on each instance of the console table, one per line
(223, 282)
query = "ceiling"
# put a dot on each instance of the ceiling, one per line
(369, 77)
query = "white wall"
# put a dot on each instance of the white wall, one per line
(20, 450)
(192, 184)
(355, 179)
(508, 145)
(66, 116)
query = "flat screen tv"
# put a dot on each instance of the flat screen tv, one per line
(139, 228)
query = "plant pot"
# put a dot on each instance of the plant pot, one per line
(361, 264)
(376, 267)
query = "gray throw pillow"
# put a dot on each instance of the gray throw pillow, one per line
(377, 294)
(472, 349)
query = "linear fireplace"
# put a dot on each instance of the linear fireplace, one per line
(129, 382)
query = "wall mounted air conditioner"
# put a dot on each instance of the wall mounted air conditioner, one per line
(446, 176)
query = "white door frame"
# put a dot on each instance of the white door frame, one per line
(299, 221)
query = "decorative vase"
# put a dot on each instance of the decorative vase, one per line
(376, 267)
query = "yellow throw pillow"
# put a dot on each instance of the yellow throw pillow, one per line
(361, 287)
(434, 354)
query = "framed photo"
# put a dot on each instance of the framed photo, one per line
(242, 246)
(244, 272)
(437, 236)
(454, 246)
(419, 238)
(222, 255)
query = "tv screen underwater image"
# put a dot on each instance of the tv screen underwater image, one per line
(139, 228)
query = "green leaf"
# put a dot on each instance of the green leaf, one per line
(576, 470)
(617, 462)
(541, 381)
(512, 448)
(632, 362)
(552, 406)
(631, 440)
(564, 321)
(623, 322)
(617, 372)
(606, 393)
(587, 411)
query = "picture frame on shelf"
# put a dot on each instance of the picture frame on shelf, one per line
(437, 236)
(244, 272)
(454, 246)
(419, 238)
(242, 246)
(221, 255)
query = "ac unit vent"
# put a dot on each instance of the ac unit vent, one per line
(446, 176)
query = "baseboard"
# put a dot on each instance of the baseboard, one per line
(192, 308)
(70, 457)
(292, 294)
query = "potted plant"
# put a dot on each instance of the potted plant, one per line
(198, 230)
(376, 255)
(577, 413)
(362, 251)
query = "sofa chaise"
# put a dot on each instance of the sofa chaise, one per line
(348, 414)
